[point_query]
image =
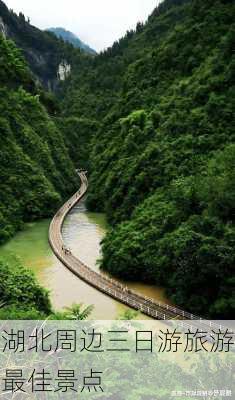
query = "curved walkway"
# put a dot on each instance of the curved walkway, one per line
(111, 287)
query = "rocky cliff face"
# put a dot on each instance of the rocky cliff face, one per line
(3, 29)
(49, 58)
(64, 70)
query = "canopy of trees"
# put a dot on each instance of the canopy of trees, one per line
(152, 118)
(36, 170)
(42, 49)
(161, 154)
(21, 296)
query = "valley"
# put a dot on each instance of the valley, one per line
(151, 119)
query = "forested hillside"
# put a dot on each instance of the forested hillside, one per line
(157, 113)
(152, 118)
(70, 37)
(43, 51)
(36, 170)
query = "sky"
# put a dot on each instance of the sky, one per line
(96, 22)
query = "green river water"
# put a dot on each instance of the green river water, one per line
(82, 233)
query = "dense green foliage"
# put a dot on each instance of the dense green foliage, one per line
(162, 159)
(36, 171)
(42, 50)
(153, 120)
(183, 238)
(21, 296)
(77, 134)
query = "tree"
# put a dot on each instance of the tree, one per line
(78, 312)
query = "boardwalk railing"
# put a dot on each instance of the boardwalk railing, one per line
(109, 286)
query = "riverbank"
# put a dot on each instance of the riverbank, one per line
(82, 232)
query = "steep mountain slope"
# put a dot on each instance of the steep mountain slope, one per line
(46, 55)
(70, 37)
(36, 171)
(162, 154)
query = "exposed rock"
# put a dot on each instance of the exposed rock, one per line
(49, 58)
(3, 28)
(64, 70)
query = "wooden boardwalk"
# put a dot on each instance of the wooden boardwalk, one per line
(110, 287)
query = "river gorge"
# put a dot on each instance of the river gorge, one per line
(82, 233)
